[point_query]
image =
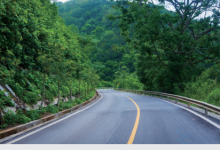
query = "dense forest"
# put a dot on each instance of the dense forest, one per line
(141, 45)
(59, 50)
(112, 54)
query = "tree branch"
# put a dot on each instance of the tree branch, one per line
(159, 56)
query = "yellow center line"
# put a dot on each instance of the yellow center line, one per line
(131, 139)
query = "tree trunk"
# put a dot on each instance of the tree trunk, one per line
(58, 93)
(70, 93)
(85, 87)
(43, 91)
(79, 88)
(1, 120)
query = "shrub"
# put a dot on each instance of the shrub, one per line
(21, 118)
(42, 111)
(18, 117)
(49, 95)
(4, 100)
(3, 126)
(68, 104)
(33, 114)
(52, 109)
(205, 87)
(83, 99)
(77, 100)
(30, 98)
(10, 117)
(214, 97)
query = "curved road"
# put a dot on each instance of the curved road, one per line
(114, 119)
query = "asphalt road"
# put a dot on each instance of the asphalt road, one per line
(112, 119)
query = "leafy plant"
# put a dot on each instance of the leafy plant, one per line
(31, 98)
(33, 114)
(52, 109)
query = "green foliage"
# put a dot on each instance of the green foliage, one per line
(12, 118)
(90, 17)
(127, 81)
(105, 84)
(49, 95)
(4, 100)
(30, 98)
(78, 101)
(3, 126)
(42, 111)
(33, 114)
(173, 46)
(205, 87)
(16, 118)
(38, 51)
(52, 109)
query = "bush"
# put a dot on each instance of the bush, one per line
(4, 100)
(214, 97)
(33, 114)
(21, 118)
(68, 104)
(205, 87)
(42, 111)
(3, 126)
(30, 98)
(60, 108)
(18, 117)
(77, 100)
(52, 109)
(10, 117)
(83, 99)
(49, 95)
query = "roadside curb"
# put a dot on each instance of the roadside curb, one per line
(18, 130)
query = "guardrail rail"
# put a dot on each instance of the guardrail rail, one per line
(201, 104)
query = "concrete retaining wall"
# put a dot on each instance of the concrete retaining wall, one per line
(32, 124)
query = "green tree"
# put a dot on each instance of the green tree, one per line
(180, 40)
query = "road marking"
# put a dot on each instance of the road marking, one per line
(209, 121)
(18, 139)
(131, 139)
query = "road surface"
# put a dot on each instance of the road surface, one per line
(125, 118)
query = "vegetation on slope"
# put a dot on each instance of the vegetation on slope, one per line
(40, 55)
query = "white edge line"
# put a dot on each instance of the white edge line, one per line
(18, 139)
(209, 121)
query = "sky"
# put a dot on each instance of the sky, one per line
(62, 1)
(169, 7)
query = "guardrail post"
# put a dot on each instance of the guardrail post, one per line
(206, 112)
(175, 101)
(167, 98)
(188, 105)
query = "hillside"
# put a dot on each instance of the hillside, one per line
(89, 17)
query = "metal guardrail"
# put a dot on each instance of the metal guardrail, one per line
(201, 104)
